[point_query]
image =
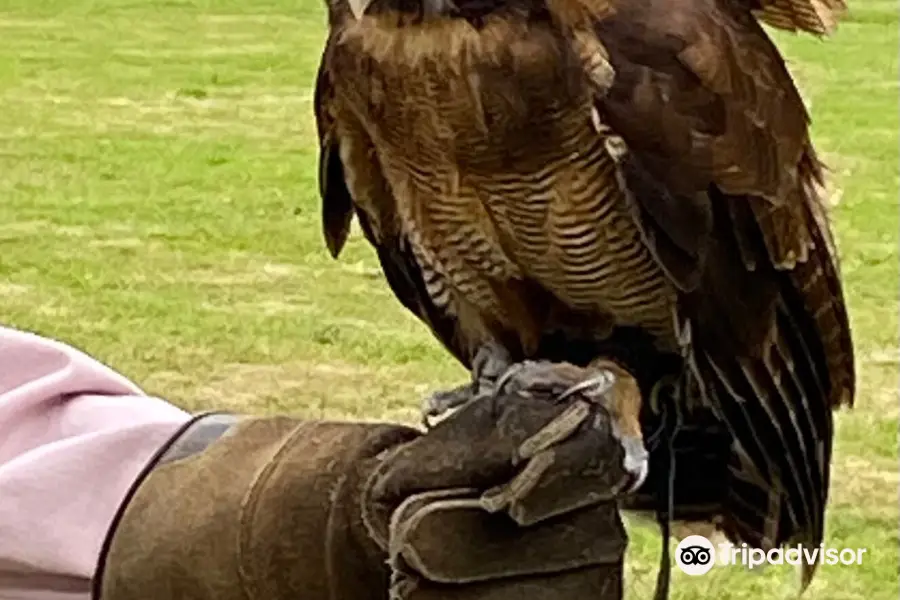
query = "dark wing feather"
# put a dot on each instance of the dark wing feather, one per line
(710, 114)
(398, 263)
(818, 17)
(337, 205)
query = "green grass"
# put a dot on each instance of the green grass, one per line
(158, 209)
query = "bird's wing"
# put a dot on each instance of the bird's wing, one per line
(818, 17)
(346, 155)
(724, 180)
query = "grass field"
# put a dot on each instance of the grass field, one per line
(158, 208)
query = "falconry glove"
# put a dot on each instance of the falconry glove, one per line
(510, 496)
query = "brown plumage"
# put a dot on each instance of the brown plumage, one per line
(556, 175)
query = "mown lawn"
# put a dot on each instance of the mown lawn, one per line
(158, 208)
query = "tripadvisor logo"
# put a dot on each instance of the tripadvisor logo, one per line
(696, 555)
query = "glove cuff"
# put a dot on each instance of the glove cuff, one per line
(251, 508)
(191, 438)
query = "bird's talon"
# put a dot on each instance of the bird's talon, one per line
(595, 387)
(441, 402)
(636, 461)
(490, 362)
(508, 375)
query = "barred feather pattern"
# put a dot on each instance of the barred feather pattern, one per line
(483, 207)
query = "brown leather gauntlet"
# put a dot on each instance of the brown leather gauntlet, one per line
(268, 511)
(512, 497)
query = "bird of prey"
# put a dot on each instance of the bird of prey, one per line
(572, 179)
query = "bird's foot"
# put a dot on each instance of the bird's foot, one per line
(490, 362)
(604, 384)
(443, 402)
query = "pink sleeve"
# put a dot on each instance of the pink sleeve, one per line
(73, 436)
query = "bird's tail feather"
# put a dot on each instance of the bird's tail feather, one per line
(776, 407)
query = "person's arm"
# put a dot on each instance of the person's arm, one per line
(74, 435)
(109, 494)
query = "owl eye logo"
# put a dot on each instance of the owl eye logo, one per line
(695, 555)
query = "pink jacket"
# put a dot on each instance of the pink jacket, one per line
(73, 436)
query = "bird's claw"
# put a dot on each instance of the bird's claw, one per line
(441, 403)
(561, 379)
(636, 461)
(445, 401)
(600, 389)
(489, 363)
(493, 374)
